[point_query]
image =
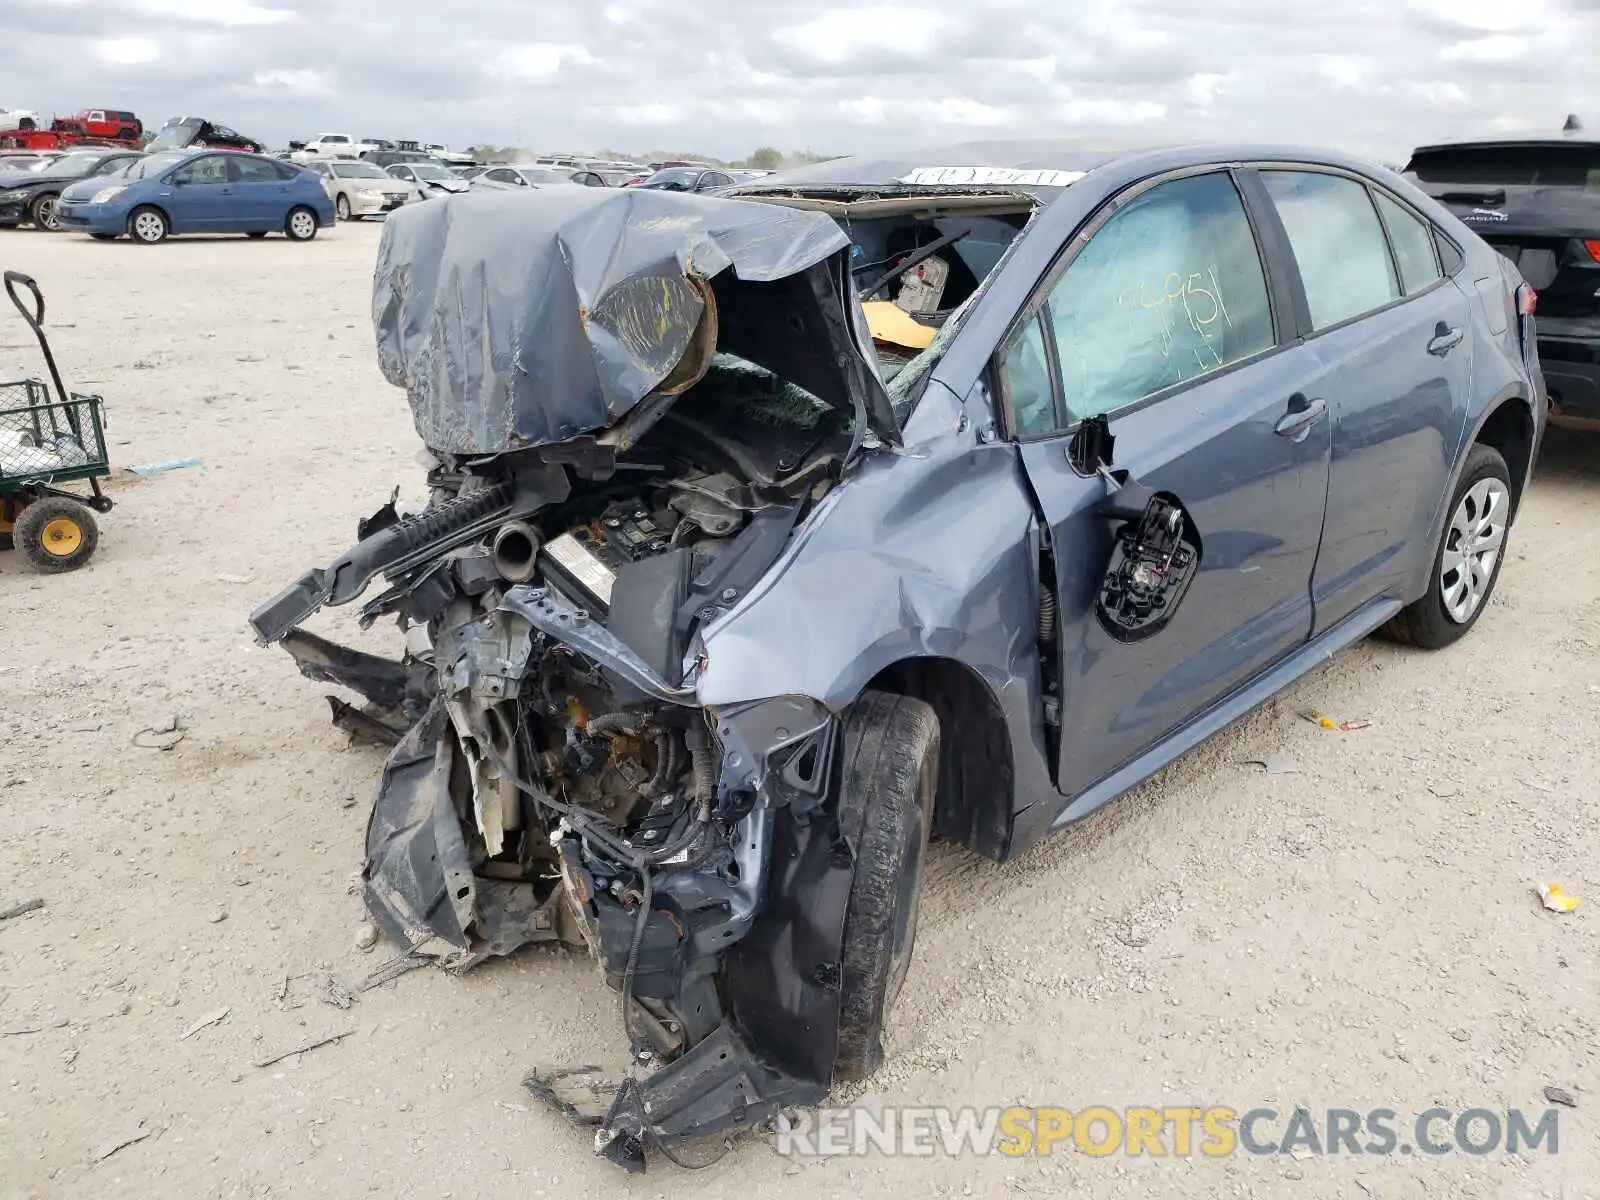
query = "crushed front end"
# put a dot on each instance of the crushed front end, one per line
(618, 456)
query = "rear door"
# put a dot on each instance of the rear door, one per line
(262, 195)
(1162, 323)
(1392, 334)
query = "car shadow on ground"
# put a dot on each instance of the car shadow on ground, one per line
(1569, 456)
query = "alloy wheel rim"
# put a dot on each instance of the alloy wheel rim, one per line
(49, 214)
(1473, 543)
(147, 226)
(301, 224)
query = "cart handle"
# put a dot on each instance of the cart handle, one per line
(13, 278)
(35, 320)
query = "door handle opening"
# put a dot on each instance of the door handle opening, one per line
(1445, 339)
(1302, 415)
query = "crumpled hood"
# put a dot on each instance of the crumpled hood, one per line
(531, 317)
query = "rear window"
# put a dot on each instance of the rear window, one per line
(1512, 166)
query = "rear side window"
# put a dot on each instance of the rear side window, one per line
(1555, 165)
(1168, 290)
(254, 170)
(1412, 241)
(1337, 242)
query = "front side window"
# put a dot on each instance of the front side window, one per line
(1412, 241)
(1337, 242)
(1169, 289)
(211, 169)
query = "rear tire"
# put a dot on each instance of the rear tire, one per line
(56, 534)
(148, 225)
(886, 806)
(300, 225)
(341, 208)
(1466, 564)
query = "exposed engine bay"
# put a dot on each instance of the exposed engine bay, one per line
(552, 775)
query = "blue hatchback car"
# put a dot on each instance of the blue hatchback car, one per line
(206, 191)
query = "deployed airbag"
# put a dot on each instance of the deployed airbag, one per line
(527, 318)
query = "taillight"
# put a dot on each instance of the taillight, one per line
(1527, 300)
(1592, 245)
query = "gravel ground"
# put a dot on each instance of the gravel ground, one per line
(1360, 933)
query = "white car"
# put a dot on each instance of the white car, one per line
(17, 119)
(506, 177)
(450, 158)
(431, 178)
(362, 189)
(335, 145)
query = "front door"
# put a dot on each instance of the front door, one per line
(201, 195)
(1162, 324)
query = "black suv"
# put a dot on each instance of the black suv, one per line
(1538, 203)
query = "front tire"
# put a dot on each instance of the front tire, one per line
(1466, 565)
(300, 225)
(45, 212)
(148, 225)
(341, 208)
(56, 534)
(886, 806)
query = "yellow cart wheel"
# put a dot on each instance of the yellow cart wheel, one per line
(56, 534)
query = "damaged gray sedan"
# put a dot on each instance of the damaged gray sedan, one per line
(769, 536)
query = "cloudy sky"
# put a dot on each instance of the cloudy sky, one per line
(725, 76)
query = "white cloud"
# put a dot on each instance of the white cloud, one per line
(841, 35)
(724, 76)
(1497, 48)
(536, 60)
(128, 51)
(239, 13)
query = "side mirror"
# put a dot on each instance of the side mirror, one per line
(1154, 558)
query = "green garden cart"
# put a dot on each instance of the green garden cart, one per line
(47, 440)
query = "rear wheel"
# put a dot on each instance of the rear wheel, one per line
(301, 225)
(45, 212)
(1467, 563)
(148, 225)
(886, 805)
(56, 534)
(341, 207)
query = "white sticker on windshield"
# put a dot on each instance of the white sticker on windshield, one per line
(991, 176)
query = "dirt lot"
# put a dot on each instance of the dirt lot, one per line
(1361, 933)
